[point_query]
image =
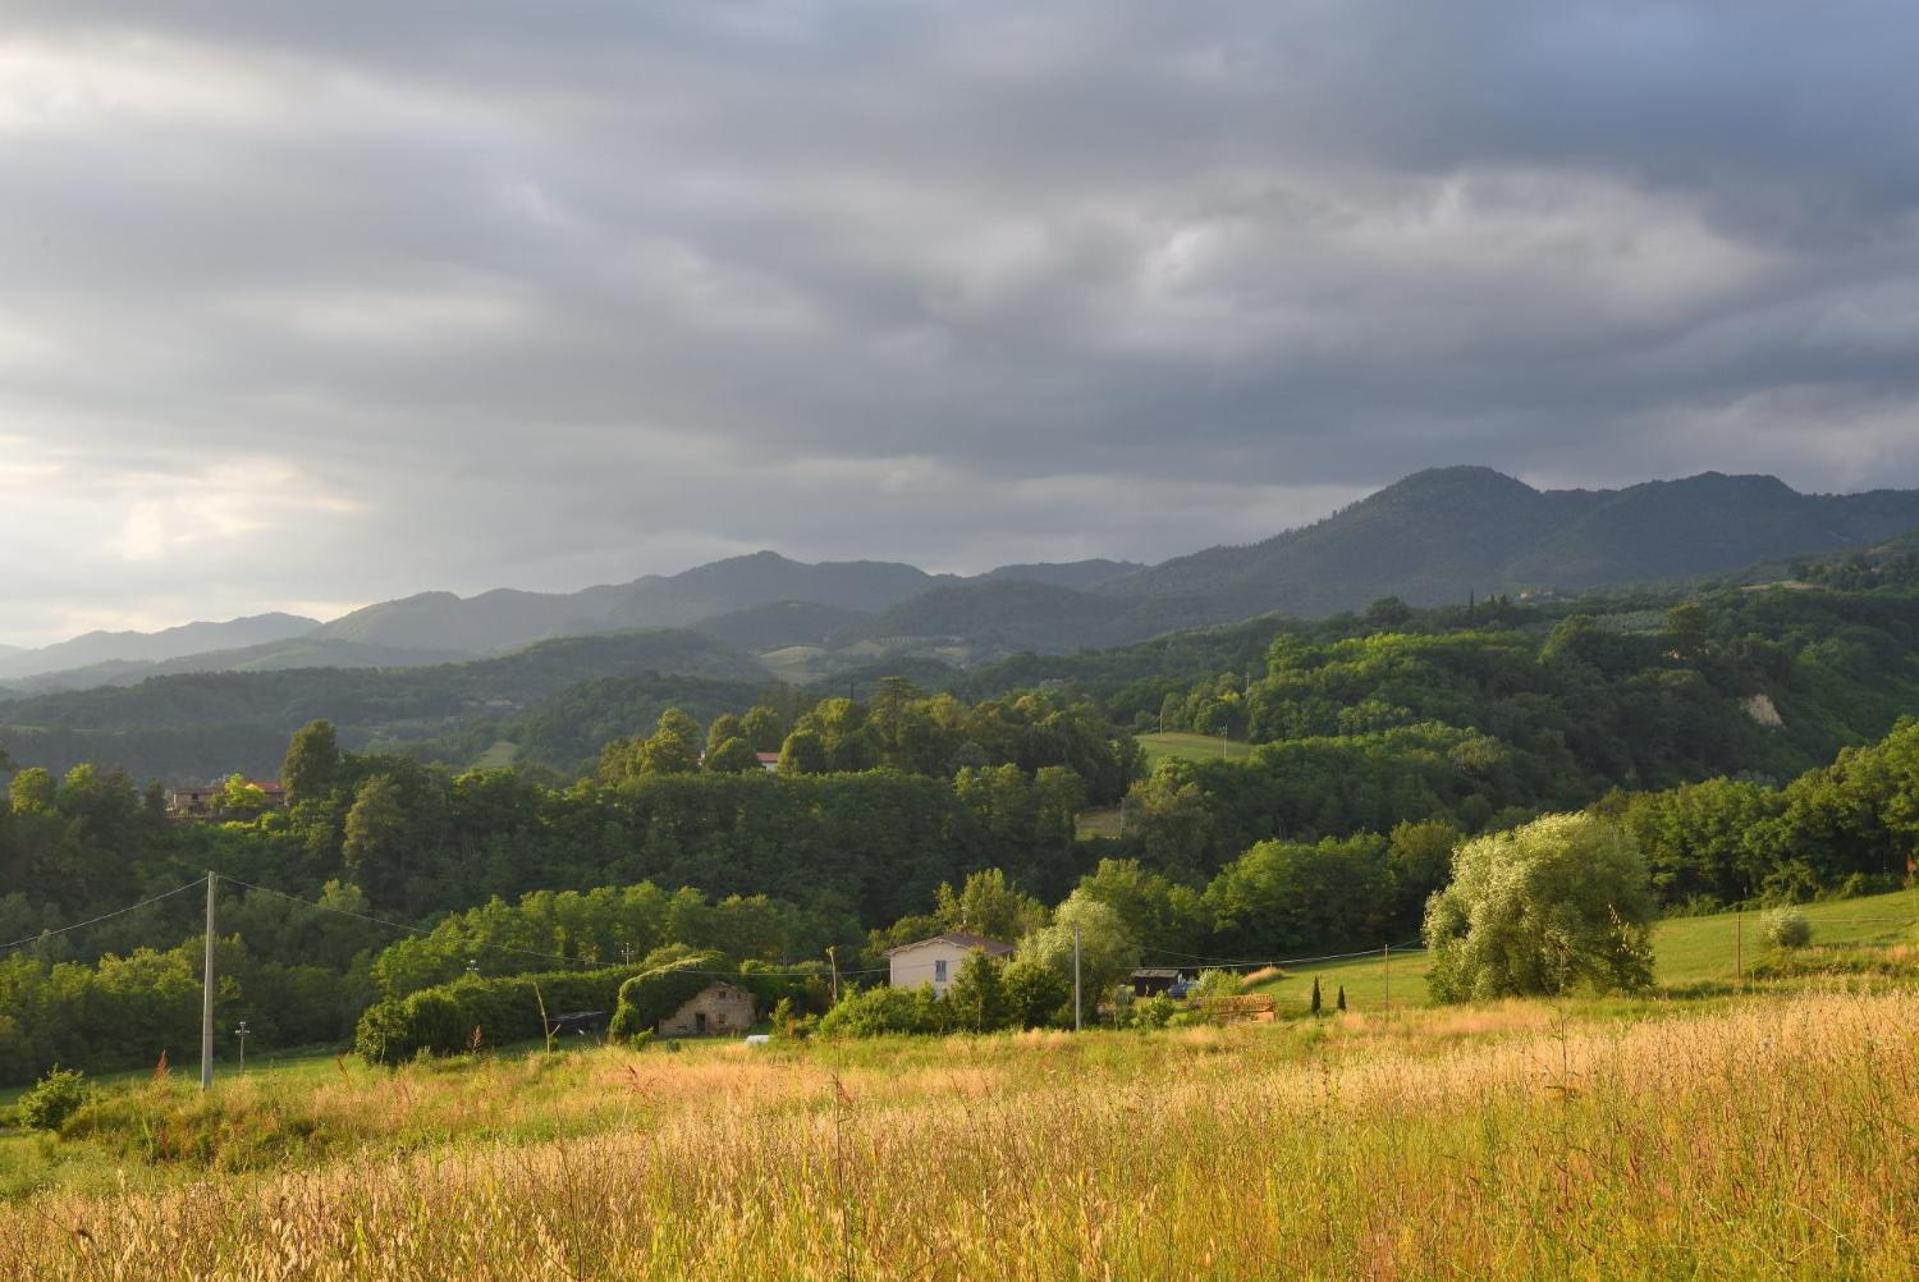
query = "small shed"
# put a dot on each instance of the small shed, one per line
(718, 1009)
(1152, 981)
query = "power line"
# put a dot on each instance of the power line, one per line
(94, 921)
(501, 948)
(1289, 961)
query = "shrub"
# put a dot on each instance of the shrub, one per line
(1154, 1012)
(1786, 928)
(876, 1012)
(442, 1020)
(1036, 997)
(53, 1099)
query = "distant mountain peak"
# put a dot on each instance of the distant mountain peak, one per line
(1462, 478)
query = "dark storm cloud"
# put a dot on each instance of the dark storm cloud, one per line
(327, 303)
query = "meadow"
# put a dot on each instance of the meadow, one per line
(1772, 1138)
(1708, 1129)
(1696, 954)
(1187, 746)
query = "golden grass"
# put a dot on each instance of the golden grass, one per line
(1773, 1138)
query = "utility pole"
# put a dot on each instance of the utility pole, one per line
(1076, 1016)
(241, 1033)
(206, 995)
(1739, 945)
(833, 956)
(1386, 956)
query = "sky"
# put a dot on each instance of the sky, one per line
(304, 306)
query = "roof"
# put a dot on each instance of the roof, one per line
(768, 758)
(959, 939)
(1155, 972)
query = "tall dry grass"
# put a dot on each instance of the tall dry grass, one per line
(1772, 1140)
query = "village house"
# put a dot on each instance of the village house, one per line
(719, 1009)
(205, 802)
(937, 961)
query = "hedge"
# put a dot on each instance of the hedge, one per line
(443, 1020)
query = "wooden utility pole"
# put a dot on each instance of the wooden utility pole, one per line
(206, 995)
(1739, 945)
(1386, 958)
(833, 956)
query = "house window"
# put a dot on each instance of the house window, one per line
(939, 971)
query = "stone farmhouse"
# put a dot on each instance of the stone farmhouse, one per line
(720, 1009)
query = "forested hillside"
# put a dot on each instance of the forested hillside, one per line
(193, 727)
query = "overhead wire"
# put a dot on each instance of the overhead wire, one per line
(508, 948)
(94, 921)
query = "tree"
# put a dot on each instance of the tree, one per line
(720, 729)
(732, 756)
(977, 995)
(763, 729)
(1036, 996)
(241, 798)
(1316, 999)
(1161, 915)
(988, 905)
(1107, 953)
(312, 764)
(1563, 902)
(1339, 1004)
(375, 845)
(803, 754)
(674, 748)
(32, 791)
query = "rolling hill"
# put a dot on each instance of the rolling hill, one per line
(151, 647)
(1435, 537)
(197, 726)
(1438, 535)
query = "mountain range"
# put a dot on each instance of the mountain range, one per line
(1433, 537)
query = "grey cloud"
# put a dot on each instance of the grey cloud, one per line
(547, 293)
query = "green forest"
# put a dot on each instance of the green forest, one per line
(1750, 741)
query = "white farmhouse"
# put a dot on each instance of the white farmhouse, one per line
(936, 961)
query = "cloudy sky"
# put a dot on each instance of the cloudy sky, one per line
(308, 305)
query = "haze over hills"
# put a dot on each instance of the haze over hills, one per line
(297, 652)
(1433, 537)
(195, 726)
(152, 647)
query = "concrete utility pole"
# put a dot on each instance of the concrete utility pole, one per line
(206, 995)
(241, 1033)
(1076, 1016)
(1739, 945)
(833, 956)
(1386, 957)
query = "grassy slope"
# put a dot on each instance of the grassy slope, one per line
(1687, 951)
(1743, 1139)
(1191, 747)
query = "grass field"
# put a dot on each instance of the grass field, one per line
(1191, 747)
(1758, 1130)
(1769, 1138)
(1687, 951)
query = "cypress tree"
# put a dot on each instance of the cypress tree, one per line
(1340, 1004)
(1316, 1001)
